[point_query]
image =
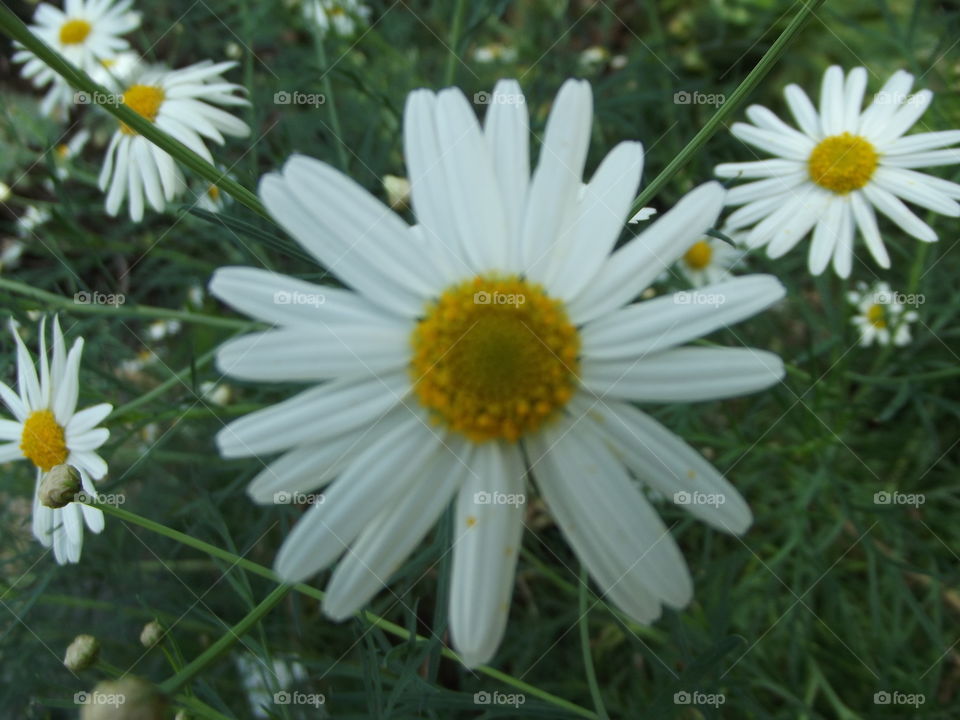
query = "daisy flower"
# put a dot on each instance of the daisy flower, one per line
(830, 175)
(340, 16)
(48, 430)
(64, 153)
(32, 218)
(182, 103)
(495, 340)
(86, 32)
(708, 261)
(881, 315)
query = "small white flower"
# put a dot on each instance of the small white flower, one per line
(10, 253)
(882, 316)
(86, 32)
(496, 341)
(31, 219)
(495, 52)
(830, 175)
(209, 196)
(709, 261)
(183, 104)
(159, 329)
(594, 56)
(48, 431)
(339, 16)
(65, 152)
(216, 393)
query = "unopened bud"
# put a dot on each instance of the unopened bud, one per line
(398, 191)
(82, 653)
(151, 634)
(60, 486)
(128, 698)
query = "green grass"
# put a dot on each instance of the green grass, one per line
(826, 600)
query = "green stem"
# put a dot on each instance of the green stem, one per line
(588, 668)
(456, 30)
(200, 709)
(312, 592)
(121, 310)
(730, 106)
(330, 99)
(226, 641)
(99, 95)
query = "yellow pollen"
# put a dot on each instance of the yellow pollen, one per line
(699, 255)
(877, 316)
(144, 100)
(213, 192)
(842, 163)
(43, 442)
(494, 358)
(74, 32)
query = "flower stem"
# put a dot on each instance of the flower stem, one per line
(99, 95)
(312, 592)
(588, 668)
(226, 641)
(456, 30)
(330, 98)
(730, 106)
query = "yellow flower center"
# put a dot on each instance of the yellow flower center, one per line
(43, 441)
(213, 192)
(495, 357)
(74, 32)
(877, 316)
(144, 100)
(62, 150)
(842, 163)
(699, 255)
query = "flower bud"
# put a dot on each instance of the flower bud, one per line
(60, 486)
(82, 653)
(151, 634)
(398, 191)
(128, 698)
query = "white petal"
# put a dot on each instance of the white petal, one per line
(65, 402)
(87, 419)
(866, 220)
(776, 167)
(13, 402)
(803, 111)
(933, 158)
(773, 186)
(825, 236)
(506, 128)
(767, 120)
(904, 118)
(90, 440)
(10, 430)
(916, 189)
(773, 143)
(893, 208)
(853, 90)
(27, 382)
(831, 102)
(885, 103)
(843, 253)
(920, 142)
(11, 451)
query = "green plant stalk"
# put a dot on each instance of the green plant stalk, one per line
(312, 592)
(730, 106)
(226, 641)
(11, 25)
(588, 668)
(456, 30)
(331, 99)
(144, 311)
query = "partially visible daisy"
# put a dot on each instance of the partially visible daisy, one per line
(882, 315)
(708, 261)
(497, 340)
(209, 196)
(117, 72)
(183, 104)
(594, 57)
(86, 32)
(32, 218)
(830, 175)
(48, 430)
(495, 52)
(10, 253)
(339, 16)
(65, 152)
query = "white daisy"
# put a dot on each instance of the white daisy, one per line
(32, 218)
(209, 196)
(494, 340)
(708, 261)
(842, 163)
(86, 32)
(48, 430)
(65, 152)
(882, 315)
(183, 104)
(340, 16)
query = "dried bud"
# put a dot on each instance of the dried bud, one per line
(60, 486)
(82, 653)
(151, 634)
(128, 698)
